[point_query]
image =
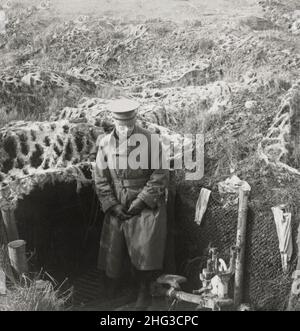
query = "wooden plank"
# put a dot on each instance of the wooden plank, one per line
(202, 204)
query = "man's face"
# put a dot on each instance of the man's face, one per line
(124, 130)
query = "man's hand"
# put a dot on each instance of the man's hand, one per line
(137, 206)
(120, 212)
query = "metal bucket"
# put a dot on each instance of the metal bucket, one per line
(17, 256)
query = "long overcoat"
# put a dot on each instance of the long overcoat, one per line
(142, 238)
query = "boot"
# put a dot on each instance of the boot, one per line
(144, 298)
(118, 297)
(113, 287)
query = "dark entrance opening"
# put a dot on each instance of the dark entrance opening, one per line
(62, 229)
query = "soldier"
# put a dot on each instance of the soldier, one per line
(134, 203)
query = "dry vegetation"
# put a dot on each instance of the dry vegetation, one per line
(35, 295)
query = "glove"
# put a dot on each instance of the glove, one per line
(120, 212)
(137, 206)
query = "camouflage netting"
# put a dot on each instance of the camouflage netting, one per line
(266, 286)
(33, 154)
(276, 147)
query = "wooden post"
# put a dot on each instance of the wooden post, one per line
(2, 261)
(241, 244)
(2, 282)
(169, 263)
(5, 266)
(298, 244)
(17, 256)
(295, 130)
(10, 224)
(295, 290)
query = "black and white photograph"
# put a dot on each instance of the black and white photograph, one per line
(149, 158)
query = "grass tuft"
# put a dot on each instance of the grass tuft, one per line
(35, 295)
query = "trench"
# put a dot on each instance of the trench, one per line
(62, 229)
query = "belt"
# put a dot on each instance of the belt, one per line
(130, 182)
